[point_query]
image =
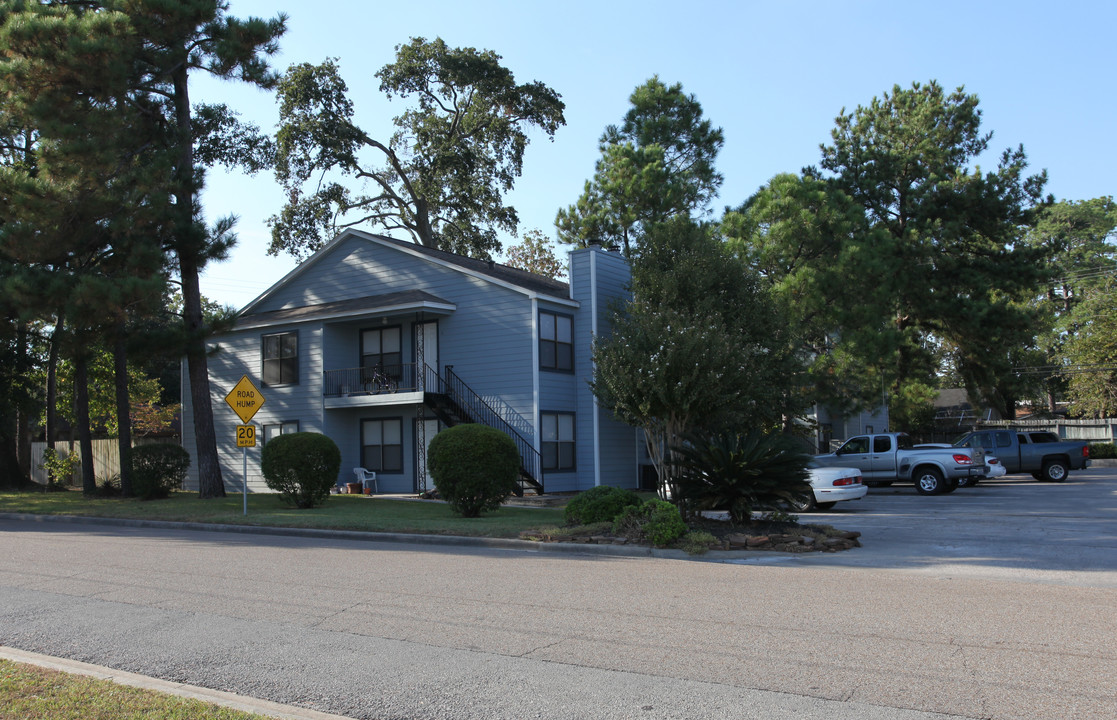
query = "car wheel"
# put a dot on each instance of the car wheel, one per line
(878, 483)
(928, 481)
(803, 504)
(949, 486)
(1054, 471)
(968, 481)
(825, 505)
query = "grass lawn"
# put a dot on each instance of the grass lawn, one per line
(339, 512)
(28, 692)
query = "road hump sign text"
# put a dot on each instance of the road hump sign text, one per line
(244, 399)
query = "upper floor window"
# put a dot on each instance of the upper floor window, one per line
(281, 359)
(383, 348)
(556, 341)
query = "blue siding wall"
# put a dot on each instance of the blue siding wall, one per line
(489, 340)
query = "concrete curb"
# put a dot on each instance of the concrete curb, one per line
(406, 538)
(193, 692)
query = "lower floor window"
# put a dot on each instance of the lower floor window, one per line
(382, 445)
(558, 441)
(271, 432)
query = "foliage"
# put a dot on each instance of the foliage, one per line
(60, 468)
(697, 542)
(658, 164)
(536, 253)
(453, 156)
(807, 239)
(1103, 451)
(740, 473)
(655, 521)
(157, 469)
(1092, 355)
(301, 467)
(144, 392)
(958, 271)
(700, 345)
(599, 504)
(475, 467)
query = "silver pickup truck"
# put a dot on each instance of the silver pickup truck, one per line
(885, 458)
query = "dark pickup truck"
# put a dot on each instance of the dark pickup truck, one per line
(1040, 453)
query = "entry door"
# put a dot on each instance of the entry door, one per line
(429, 428)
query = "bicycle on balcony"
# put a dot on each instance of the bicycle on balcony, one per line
(378, 380)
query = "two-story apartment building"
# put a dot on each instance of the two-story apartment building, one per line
(380, 343)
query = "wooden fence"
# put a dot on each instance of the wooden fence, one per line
(106, 457)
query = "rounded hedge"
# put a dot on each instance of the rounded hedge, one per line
(157, 469)
(301, 467)
(474, 467)
(599, 504)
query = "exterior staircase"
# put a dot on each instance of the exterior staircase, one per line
(454, 403)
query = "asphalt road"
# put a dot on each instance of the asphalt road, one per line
(995, 602)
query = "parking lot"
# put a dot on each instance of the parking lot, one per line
(1011, 527)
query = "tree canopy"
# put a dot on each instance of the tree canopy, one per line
(658, 163)
(956, 233)
(440, 178)
(699, 347)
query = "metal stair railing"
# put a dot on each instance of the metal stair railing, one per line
(480, 411)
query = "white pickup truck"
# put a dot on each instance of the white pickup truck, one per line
(885, 458)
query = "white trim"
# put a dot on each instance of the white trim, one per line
(420, 306)
(345, 235)
(536, 419)
(593, 335)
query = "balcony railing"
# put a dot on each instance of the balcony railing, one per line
(370, 380)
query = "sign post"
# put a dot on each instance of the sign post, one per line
(245, 400)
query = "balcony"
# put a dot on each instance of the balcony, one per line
(370, 386)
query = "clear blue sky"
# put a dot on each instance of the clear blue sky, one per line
(773, 75)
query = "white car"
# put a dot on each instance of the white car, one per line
(831, 485)
(994, 468)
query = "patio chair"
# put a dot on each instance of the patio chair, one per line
(365, 477)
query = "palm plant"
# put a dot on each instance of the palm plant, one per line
(740, 473)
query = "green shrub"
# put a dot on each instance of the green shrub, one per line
(1103, 451)
(301, 467)
(60, 468)
(656, 521)
(157, 469)
(474, 467)
(741, 473)
(697, 542)
(599, 504)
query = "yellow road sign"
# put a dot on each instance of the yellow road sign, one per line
(246, 436)
(244, 399)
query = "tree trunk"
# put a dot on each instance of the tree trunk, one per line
(81, 419)
(191, 248)
(52, 380)
(123, 411)
(23, 421)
